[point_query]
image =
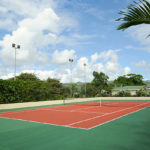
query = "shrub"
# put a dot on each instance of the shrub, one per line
(26, 91)
(123, 94)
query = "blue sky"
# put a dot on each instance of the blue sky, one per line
(52, 31)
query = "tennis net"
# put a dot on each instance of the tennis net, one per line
(107, 103)
(124, 103)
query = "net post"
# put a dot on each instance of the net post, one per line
(100, 102)
(64, 101)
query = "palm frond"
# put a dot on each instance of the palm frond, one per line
(136, 14)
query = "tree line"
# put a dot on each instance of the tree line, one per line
(28, 87)
(100, 86)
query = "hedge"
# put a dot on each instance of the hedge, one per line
(26, 91)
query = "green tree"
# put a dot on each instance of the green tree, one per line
(56, 87)
(142, 92)
(54, 81)
(135, 14)
(120, 81)
(90, 90)
(75, 90)
(129, 79)
(108, 89)
(100, 81)
(27, 77)
(26, 90)
(135, 79)
(123, 94)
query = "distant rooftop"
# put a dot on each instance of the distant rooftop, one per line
(128, 88)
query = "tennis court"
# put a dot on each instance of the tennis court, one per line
(88, 118)
(82, 115)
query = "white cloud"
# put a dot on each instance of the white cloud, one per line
(129, 47)
(96, 13)
(110, 55)
(81, 62)
(127, 70)
(79, 70)
(33, 29)
(30, 35)
(9, 75)
(37, 28)
(139, 33)
(47, 19)
(16, 10)
(110, 67)
(7, 24)
(23, 7)
(94, 57)
(142, 63)
(62, 57)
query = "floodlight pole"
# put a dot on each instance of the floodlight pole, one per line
(15, 47)
(85, 77)
(71, 61)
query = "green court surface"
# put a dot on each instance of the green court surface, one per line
(130, 132)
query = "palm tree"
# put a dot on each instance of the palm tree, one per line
(135, 14)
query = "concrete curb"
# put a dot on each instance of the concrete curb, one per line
(54, 102)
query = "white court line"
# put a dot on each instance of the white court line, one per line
(56, 110)
(84, 108)
(43, 123)
(104, 115)
(30, 110)
(83, 120)
(111, 103)
(115, 118)
(92, 112)
(79, 108)
(21, 111)
(35, 109)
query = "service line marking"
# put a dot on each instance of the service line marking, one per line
(104, 115)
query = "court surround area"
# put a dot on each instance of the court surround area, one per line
(111, 122)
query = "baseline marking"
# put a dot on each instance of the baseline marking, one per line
(115, 118)
(43, 123)
(20, 111)
(104, 115)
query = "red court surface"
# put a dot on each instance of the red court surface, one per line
(78, 116)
